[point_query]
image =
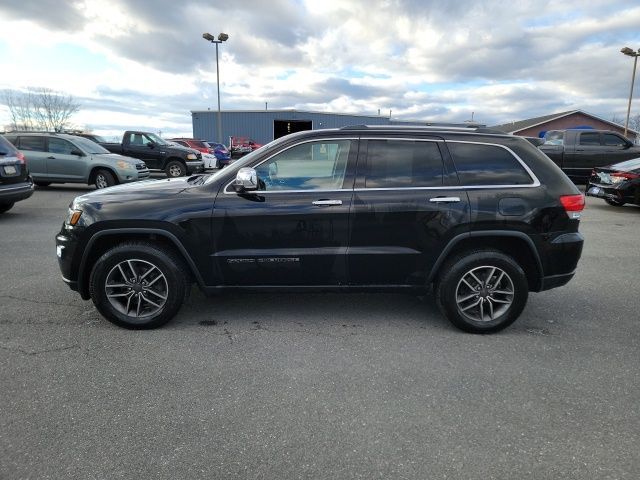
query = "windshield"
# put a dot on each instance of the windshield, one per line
(156, 139)
(89, 146)
(554, 138)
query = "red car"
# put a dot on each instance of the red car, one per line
(243, 145)
(192, 143)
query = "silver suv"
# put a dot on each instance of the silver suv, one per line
(62, 158)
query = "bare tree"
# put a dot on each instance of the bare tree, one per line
(40, 109)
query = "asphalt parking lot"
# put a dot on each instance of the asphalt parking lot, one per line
(319, 385)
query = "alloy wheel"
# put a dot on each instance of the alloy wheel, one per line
(136, 288)
(484, 293)
(101, 181)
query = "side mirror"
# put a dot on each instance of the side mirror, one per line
(246, 180)
(151, 145)
(77, 152)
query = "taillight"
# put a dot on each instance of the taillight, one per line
(625, 175)
(573, 204)
(20, 157)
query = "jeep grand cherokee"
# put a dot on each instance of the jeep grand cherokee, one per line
(481, 217)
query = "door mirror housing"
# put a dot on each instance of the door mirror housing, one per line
(246, 180)
(151, 144)
(77, 152)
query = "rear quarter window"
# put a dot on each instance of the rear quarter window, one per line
(479, 165)
(35, 144)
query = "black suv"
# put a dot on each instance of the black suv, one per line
(481, 216)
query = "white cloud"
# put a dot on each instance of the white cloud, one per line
(145, 62)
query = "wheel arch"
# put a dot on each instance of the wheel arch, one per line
(94, 170)
(517, 245)
(102, 241)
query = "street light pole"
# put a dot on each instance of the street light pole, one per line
(630, 53)
(223, 37)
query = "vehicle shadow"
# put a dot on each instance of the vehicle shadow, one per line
(321, 313)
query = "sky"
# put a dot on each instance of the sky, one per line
(143, 64)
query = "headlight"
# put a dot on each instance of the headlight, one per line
(122, 165)
(191, 156)
(74, 217)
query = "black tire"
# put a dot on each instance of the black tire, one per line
(142, 255)
(175, 169)
(42, 184)
(104, 179)
(451, 291)
(5, 207)
(614, 203)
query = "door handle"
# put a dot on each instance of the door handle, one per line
(51, 158)
(327, 203)
(444, 199)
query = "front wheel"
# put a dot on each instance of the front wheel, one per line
(482, 291)
(175, 169)
(614, 203)
(104, 179)
(138, 285)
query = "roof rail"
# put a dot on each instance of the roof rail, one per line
(32, 131)
(469, 128)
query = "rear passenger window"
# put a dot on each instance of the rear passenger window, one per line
(35, 144)
(589, 139)
(487, 165)
(403, 163)
(58, 145)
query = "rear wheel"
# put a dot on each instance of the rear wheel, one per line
(5, 207)
(175, 169)
(104, 179)
(482, 291)
(614, 203)
(138, 285)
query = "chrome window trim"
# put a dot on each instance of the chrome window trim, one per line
(233, 192)
(536, 182)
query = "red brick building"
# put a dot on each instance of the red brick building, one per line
(535, 127)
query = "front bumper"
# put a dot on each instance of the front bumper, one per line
(66, 242)
(14, 192)
(196, 166)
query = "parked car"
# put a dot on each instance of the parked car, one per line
(242, 145)
(62, 158)
(158, 154)
(212, 158)
(616, 184)
(15, 182)
(577, 152)
(221, 152)
(484, 218)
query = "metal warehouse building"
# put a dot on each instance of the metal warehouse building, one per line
(262, 126)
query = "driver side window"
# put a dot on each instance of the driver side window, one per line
(317, 165)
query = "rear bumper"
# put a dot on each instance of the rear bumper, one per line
(622, 193)
(560, 258)
(554, 281)
(14, 192)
